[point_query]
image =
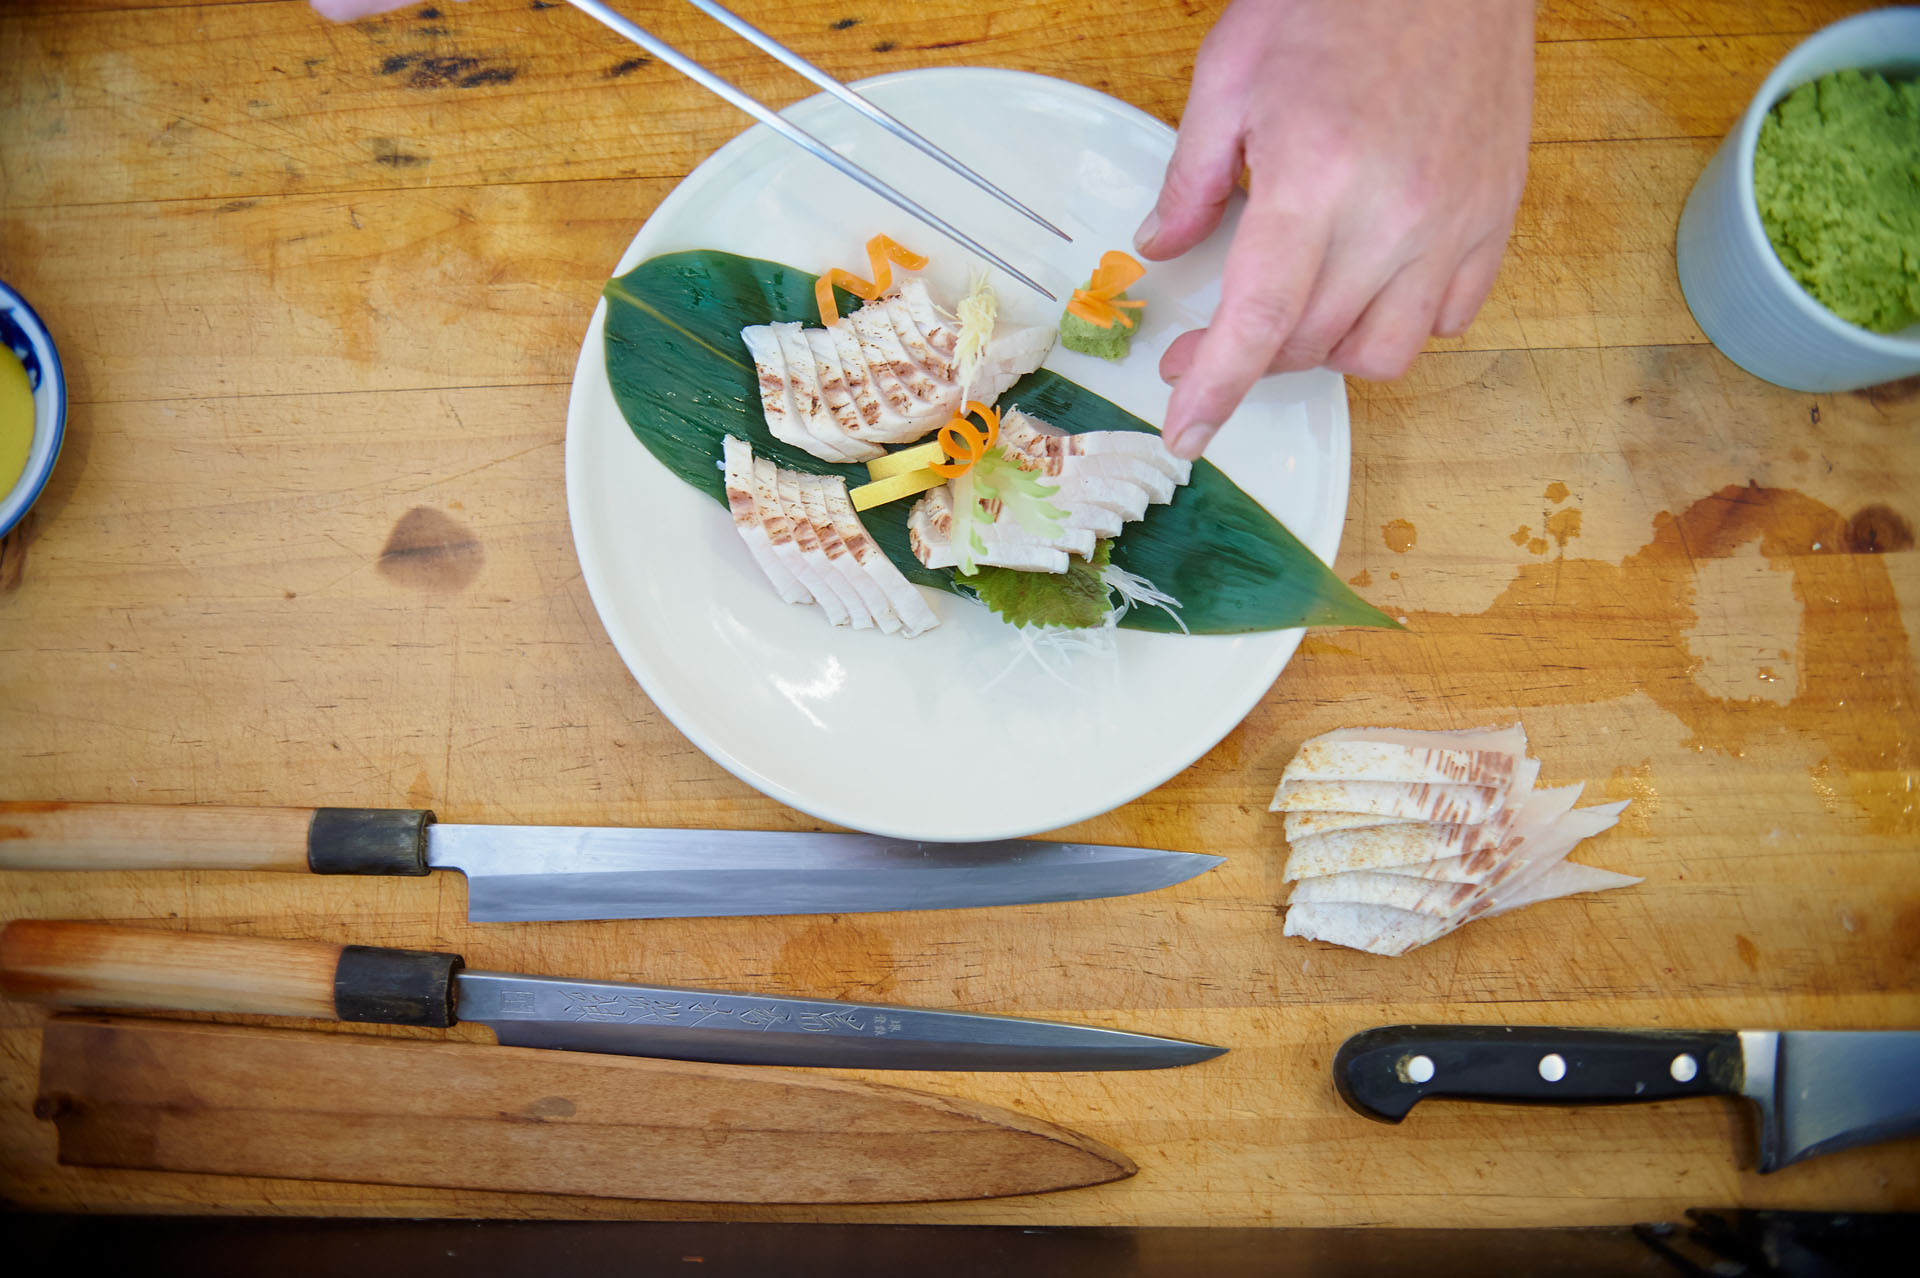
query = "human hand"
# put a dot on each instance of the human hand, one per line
(1386, 145)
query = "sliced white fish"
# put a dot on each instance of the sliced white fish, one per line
(802, 554)
(1351, 760)
(940, 327)
(1036, 434)
(930, 532)
(1302, 824)
(1401, 844)
(1378, 929)
(836, 389)
(1538, 856)
(908, 604)
(749, 521)
(886, 357)
(777, 404)
(881, 421)
(1370, 887)
(1511, 739)
(780, 532)
(1450, 804)
(940, 369)
(1569, 878)
(840, 557)
(831, 443)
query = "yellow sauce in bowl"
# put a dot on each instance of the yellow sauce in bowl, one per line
(16, 420)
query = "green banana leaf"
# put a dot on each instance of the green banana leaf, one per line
(683, 379)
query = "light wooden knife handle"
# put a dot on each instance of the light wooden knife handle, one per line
(103, 965)
(151, 836)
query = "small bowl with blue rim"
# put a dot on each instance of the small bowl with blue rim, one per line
(23, 334)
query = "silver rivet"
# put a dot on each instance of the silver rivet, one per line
(1553, 1067)
(1684, 1068)
(1419, 1069)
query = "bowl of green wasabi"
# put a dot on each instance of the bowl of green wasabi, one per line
(1799, 247)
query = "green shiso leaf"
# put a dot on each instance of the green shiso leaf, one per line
(683, 380)
(1075, 598)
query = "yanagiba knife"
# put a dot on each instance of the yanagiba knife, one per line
(524, 873)
(1817, 1091)
(97, 965)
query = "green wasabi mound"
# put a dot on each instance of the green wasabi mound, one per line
(1837, 176)
(1090, 339)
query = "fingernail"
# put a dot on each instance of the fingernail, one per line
(1148, 229)
(1192, 441)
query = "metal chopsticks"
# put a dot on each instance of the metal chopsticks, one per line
(800, 137)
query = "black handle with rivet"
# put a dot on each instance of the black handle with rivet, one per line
(1382, 1072)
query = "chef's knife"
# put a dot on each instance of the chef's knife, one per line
(100, 965)
(1817, 1091)
(519, 873)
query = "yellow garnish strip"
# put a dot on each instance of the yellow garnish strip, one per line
(881, 250)
(905, 460)
(1095, 303)
(893, 488)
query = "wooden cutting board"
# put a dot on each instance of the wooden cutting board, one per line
(182, 1096)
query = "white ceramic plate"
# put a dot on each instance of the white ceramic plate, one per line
(906, 737)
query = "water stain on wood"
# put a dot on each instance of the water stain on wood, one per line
(1400, 535)
(1749, 952)
(429, 550)
(1361, 578)
(1563, 526)
(1557, 492)
(1877, 528)
(1520, 535)
(1615, 630)
(1635, 782)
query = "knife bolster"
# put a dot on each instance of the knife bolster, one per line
(385, 841)
(395, 987)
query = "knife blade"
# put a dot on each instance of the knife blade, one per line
(1817, 1091)
(98, 965)
(530, 873)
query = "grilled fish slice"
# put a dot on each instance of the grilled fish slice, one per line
(841, 602)
(1304, 824)
(1399, 845)
(749, 521)
(888, 358)
(1569, 878)
(839, 558)
(805, 380)
(1451, 804)
(930, 533)
(902, 596)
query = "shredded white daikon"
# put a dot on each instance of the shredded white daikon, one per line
(1135, 590)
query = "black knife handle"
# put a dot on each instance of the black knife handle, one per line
(1382, 1072)
(368, 841)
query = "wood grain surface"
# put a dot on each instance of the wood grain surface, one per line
(169, 1096)
(320, 291)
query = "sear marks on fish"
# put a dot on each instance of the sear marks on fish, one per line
(1101, 479)
(1399, 837)
(803, 533)
(885, 374)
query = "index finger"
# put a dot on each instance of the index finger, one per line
(1271, 268)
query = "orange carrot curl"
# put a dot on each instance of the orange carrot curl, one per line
(961, 440)
(1095, 303)
(881, 251)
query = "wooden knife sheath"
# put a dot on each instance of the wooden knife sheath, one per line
(192, 1097)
